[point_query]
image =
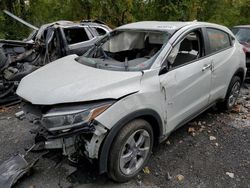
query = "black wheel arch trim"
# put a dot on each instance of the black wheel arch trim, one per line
(240, 71)
(104, 151)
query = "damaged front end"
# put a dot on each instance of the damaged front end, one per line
(72, 128)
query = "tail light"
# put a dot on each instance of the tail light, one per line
(245, 50)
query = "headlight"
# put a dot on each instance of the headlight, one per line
(64, 118)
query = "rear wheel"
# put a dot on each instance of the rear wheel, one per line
(232, 94)
(130, 150)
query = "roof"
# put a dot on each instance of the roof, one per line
(168, 26)
(155, 25)
(242, 26)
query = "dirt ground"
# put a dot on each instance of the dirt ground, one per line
(211, 151)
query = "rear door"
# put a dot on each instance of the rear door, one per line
(221, 53)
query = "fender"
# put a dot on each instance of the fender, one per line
(103, 155)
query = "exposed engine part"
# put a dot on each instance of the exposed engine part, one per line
(67, 144)
(24, 55)
(15, 74)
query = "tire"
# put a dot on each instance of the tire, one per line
(232, 94)
(127, 144)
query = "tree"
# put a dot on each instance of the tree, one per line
(119, 12)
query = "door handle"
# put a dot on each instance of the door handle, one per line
(206, 67)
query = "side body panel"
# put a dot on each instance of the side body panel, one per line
(222, 72)
(224, 65)
(187, 91)
(149, 97)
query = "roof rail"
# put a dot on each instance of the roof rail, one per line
(92, 21)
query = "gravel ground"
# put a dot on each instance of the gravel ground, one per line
(211, 151)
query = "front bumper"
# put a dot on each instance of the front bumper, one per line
(67, 141)
(85, 141)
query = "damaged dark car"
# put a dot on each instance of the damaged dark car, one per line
(45, 44)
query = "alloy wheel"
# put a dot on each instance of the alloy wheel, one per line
(135, 151)
(234, 94)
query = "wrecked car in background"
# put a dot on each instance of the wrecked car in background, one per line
(131, 90)
(50, 42)
(242, 33)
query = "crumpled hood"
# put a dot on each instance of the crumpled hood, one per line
(66, 81)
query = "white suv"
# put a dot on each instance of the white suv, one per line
(131, 90)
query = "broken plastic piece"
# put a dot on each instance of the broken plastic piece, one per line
(20, 115)
(13, 169)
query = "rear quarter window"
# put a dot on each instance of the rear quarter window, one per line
(100, 31)
(218, 40)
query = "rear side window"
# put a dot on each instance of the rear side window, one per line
(75, 35)
(99, 30)
(218, 40)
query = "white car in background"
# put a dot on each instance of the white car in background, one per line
(131, 90)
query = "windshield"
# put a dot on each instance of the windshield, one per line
(127, 50)
(242, 34)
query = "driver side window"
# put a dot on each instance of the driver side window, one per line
(187, 50)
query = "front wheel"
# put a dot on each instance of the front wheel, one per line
(130, 150)
(232, 94)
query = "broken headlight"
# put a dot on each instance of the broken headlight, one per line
(63, 118)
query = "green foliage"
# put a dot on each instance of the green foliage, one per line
(118, 12)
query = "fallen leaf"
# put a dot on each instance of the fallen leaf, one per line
(231, 175)
(191, 130)
(168, 142)
(212, 138)
(146, 170)
(180, 177)
(216, 144)
(236, 109)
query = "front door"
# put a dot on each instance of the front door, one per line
(187, 83)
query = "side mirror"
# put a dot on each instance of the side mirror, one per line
(164, 69)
